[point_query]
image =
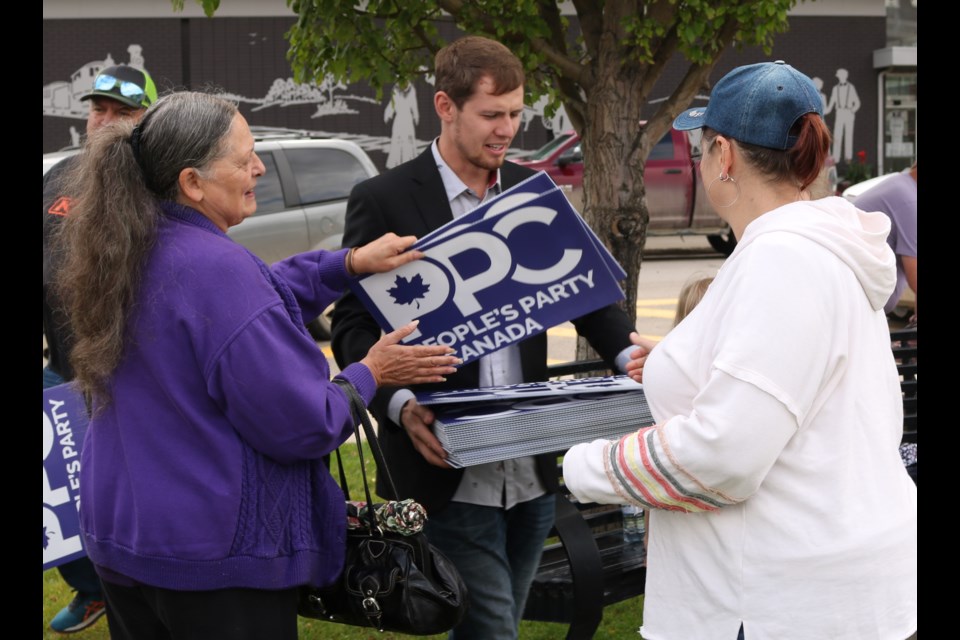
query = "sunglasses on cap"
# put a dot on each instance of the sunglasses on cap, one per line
(127, 89)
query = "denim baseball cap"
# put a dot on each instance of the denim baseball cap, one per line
(757, 104)
(129, 85)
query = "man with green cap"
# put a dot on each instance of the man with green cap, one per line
(118, 93)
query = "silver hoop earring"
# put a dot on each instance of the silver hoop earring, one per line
(725, 178)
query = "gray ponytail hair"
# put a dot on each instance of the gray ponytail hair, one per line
(119, 179)
(180, 131)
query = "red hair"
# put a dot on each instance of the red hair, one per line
(809, 154)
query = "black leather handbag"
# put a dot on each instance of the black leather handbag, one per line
(391, 581)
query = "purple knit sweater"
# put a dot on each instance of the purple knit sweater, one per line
(204, 471)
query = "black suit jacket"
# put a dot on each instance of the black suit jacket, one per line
(410, 200)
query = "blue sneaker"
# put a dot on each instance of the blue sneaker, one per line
(79, 614)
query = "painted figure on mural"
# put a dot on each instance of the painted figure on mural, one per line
(402, 109)
(556, 124)
(845, 103)
(136, 56)
(818, 83)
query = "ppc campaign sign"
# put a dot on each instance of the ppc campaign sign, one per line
(64, 425)
(525, 390)
(477, 426)
(510, 269)
(517, 195)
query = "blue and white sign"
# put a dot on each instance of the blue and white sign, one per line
(520, 194)
(64, 425)
(477, 426)
(511, 269)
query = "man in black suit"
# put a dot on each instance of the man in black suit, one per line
(490, 520)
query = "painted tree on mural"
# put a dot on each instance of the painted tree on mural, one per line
(602, 70)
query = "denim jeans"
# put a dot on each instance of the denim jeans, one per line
(497, 552)
(51, 378)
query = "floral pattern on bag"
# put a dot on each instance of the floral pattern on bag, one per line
(405, 517)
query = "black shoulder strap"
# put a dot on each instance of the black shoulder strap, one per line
(362, 419)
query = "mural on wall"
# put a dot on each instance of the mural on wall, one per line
(285, 92)
(246, 58)
(844, 103)
(403, 110)
(556, 124)
(818, 83)
(135, 52)
(62, 99)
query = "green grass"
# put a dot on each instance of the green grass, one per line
(619, 621)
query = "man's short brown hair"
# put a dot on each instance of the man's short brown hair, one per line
(460, 65)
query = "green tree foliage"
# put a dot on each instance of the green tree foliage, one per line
(601, 67)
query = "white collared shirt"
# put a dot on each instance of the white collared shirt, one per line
(496, 484)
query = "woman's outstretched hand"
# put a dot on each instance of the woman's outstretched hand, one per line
(393, 364)
(386, 253)
(638, 357)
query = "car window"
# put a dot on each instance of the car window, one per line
(268, 190)
(547, 150)
(695, 137)
(324, 174)
(572, 155)
(664, 149)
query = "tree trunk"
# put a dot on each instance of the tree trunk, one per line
(614, 198)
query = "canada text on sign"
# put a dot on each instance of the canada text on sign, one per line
(491, 282)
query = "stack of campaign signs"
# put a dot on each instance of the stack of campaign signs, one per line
(513, 267)
(476, 426)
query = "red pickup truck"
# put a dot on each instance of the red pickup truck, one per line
(675, 195)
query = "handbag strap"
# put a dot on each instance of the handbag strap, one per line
(362, 419)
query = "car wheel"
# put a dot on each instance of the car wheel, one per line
(723, 243)
(319, 328)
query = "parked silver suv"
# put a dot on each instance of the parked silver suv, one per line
(301, 200)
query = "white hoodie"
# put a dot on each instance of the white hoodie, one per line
(779, 498)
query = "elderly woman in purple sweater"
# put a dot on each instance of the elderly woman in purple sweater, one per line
(206, 502)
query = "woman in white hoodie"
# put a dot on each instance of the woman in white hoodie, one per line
(780, 507)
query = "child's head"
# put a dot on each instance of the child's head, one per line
(690, 296)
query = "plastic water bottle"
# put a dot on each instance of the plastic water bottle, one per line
(633, 529)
